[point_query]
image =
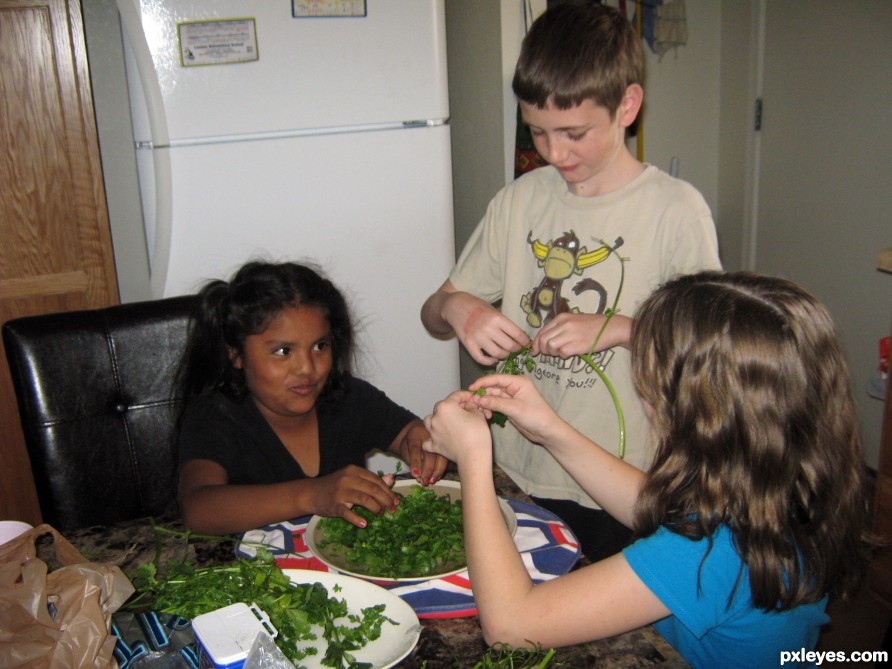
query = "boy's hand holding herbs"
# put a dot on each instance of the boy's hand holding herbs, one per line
(567, 334)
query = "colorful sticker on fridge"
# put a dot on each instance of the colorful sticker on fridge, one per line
(217, 42)
(301, 9)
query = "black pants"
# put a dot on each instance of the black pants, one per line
(599, 535)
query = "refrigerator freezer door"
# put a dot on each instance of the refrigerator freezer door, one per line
(372, 209)
(311, 73)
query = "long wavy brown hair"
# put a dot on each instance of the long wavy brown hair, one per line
(756, 429)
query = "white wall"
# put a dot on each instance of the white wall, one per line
(681, 115)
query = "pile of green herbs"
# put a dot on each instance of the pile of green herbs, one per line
(422, 537)
(292, 608)
(506, 657)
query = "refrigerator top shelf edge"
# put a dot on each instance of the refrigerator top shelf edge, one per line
(298, 132)
(308, 73)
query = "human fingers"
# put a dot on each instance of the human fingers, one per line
(491, 337)
(352, 517)
(453, 427)
(426, 467)
(568, 334)
(341, 491)
(433, 466)
(507, 384)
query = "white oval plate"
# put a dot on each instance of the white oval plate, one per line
(395, 642)
(337, 563)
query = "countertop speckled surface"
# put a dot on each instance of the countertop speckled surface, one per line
(454, 643)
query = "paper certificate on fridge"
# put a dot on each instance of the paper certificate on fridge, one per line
(217, 42)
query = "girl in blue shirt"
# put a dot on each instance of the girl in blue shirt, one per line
(753, 512)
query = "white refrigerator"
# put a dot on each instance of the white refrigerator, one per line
(302, 130)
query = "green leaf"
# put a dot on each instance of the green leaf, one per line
(292, 608)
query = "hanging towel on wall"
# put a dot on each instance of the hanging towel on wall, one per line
(670, 27)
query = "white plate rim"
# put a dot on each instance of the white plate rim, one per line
(310, 540)
(395, 642)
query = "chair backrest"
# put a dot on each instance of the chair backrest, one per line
(97, 401)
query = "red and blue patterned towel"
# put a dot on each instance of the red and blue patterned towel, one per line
(548, 548)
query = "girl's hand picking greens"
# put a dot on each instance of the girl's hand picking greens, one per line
(517, 398)
(459, 430)
(335, 495)
(426, 468)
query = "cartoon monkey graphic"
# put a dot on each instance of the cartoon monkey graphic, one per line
(561, 259)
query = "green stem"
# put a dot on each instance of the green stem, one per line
(590, 362)
(546, 660)
(186, 534)
(616, 403)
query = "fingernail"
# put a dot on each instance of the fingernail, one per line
(416, 472)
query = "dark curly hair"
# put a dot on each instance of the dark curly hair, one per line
(227, 313)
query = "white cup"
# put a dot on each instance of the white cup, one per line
(10, 529)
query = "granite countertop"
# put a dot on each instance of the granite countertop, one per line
(452, 643)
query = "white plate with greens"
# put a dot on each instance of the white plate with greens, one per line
(421, 541)
(396, 640)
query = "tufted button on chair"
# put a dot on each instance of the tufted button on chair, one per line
(98, 407)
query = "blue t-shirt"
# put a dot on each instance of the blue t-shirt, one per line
(706, 627)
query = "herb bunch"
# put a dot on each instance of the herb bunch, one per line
(423, 536)
(517, 363)
(292, 608)
(506, 657)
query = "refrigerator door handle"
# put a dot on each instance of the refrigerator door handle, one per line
(132, 24)
(159, 254)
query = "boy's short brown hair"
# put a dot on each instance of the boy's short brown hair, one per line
(579, 51)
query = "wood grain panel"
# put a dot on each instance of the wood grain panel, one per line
(56, 254)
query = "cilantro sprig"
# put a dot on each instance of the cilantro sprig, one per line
(504, 656)
(292, 608)
(517, 363)
(423, 536)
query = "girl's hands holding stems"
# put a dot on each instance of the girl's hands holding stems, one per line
(459, 431)
(212, 505)
(510, 606)
(340, 491)
(426, 468)
(610, 481)
(516, 397)
(335, 495)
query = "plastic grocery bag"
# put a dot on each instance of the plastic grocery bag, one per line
(60, 618)
(265, 654)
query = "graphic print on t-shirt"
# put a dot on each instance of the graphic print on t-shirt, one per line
(560, 259)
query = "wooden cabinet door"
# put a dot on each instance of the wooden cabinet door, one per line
(55, 253)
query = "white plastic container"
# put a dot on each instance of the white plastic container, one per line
(10, 529)
(226, 635)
